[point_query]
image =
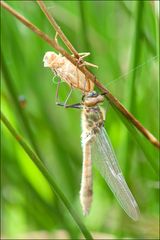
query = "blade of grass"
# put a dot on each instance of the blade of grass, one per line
(135, 56)
(142, 144)
(84, 27)
(21, 112)
(46, 174)
(148, 39)
(32, 201)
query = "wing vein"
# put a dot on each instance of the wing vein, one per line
(104, 157)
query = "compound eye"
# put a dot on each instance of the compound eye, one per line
(92, 94)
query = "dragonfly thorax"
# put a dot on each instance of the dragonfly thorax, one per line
(93, 119)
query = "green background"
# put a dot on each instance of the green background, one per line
(122, 37)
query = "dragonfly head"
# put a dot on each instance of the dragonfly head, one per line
(92, 99)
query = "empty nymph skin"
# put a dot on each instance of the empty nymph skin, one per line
(67, 71)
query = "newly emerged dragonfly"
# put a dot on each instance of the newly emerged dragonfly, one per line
(95, 141)
(97, 148)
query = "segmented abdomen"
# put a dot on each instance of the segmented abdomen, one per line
(86, 181)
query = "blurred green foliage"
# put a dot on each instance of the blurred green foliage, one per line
(125, 47)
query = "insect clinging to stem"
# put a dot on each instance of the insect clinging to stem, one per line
(96, 145)
(97, 148)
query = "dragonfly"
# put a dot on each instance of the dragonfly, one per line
(96, 144)
(97, 148)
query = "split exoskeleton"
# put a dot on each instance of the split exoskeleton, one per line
(68, 72)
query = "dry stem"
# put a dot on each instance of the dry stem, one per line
(58, 29)
(113, 100)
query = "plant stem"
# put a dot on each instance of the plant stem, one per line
(46, 174)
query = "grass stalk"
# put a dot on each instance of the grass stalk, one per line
(14, 96)
(36, 160)
(81, 5)
(135, 55)
(147, 38)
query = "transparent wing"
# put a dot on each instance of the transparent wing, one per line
(104, 157)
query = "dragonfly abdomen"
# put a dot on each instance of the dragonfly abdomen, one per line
(86, 182)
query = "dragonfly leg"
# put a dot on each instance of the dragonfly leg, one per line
(57, 90)
(56, 38)
(65, 103)
(88, 64)
(83, 55)
(77, 105)
(85, 63)
(81, 61)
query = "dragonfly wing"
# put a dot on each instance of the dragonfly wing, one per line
(104, 157)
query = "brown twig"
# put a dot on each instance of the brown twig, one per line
(58, 29)
(113, 100)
